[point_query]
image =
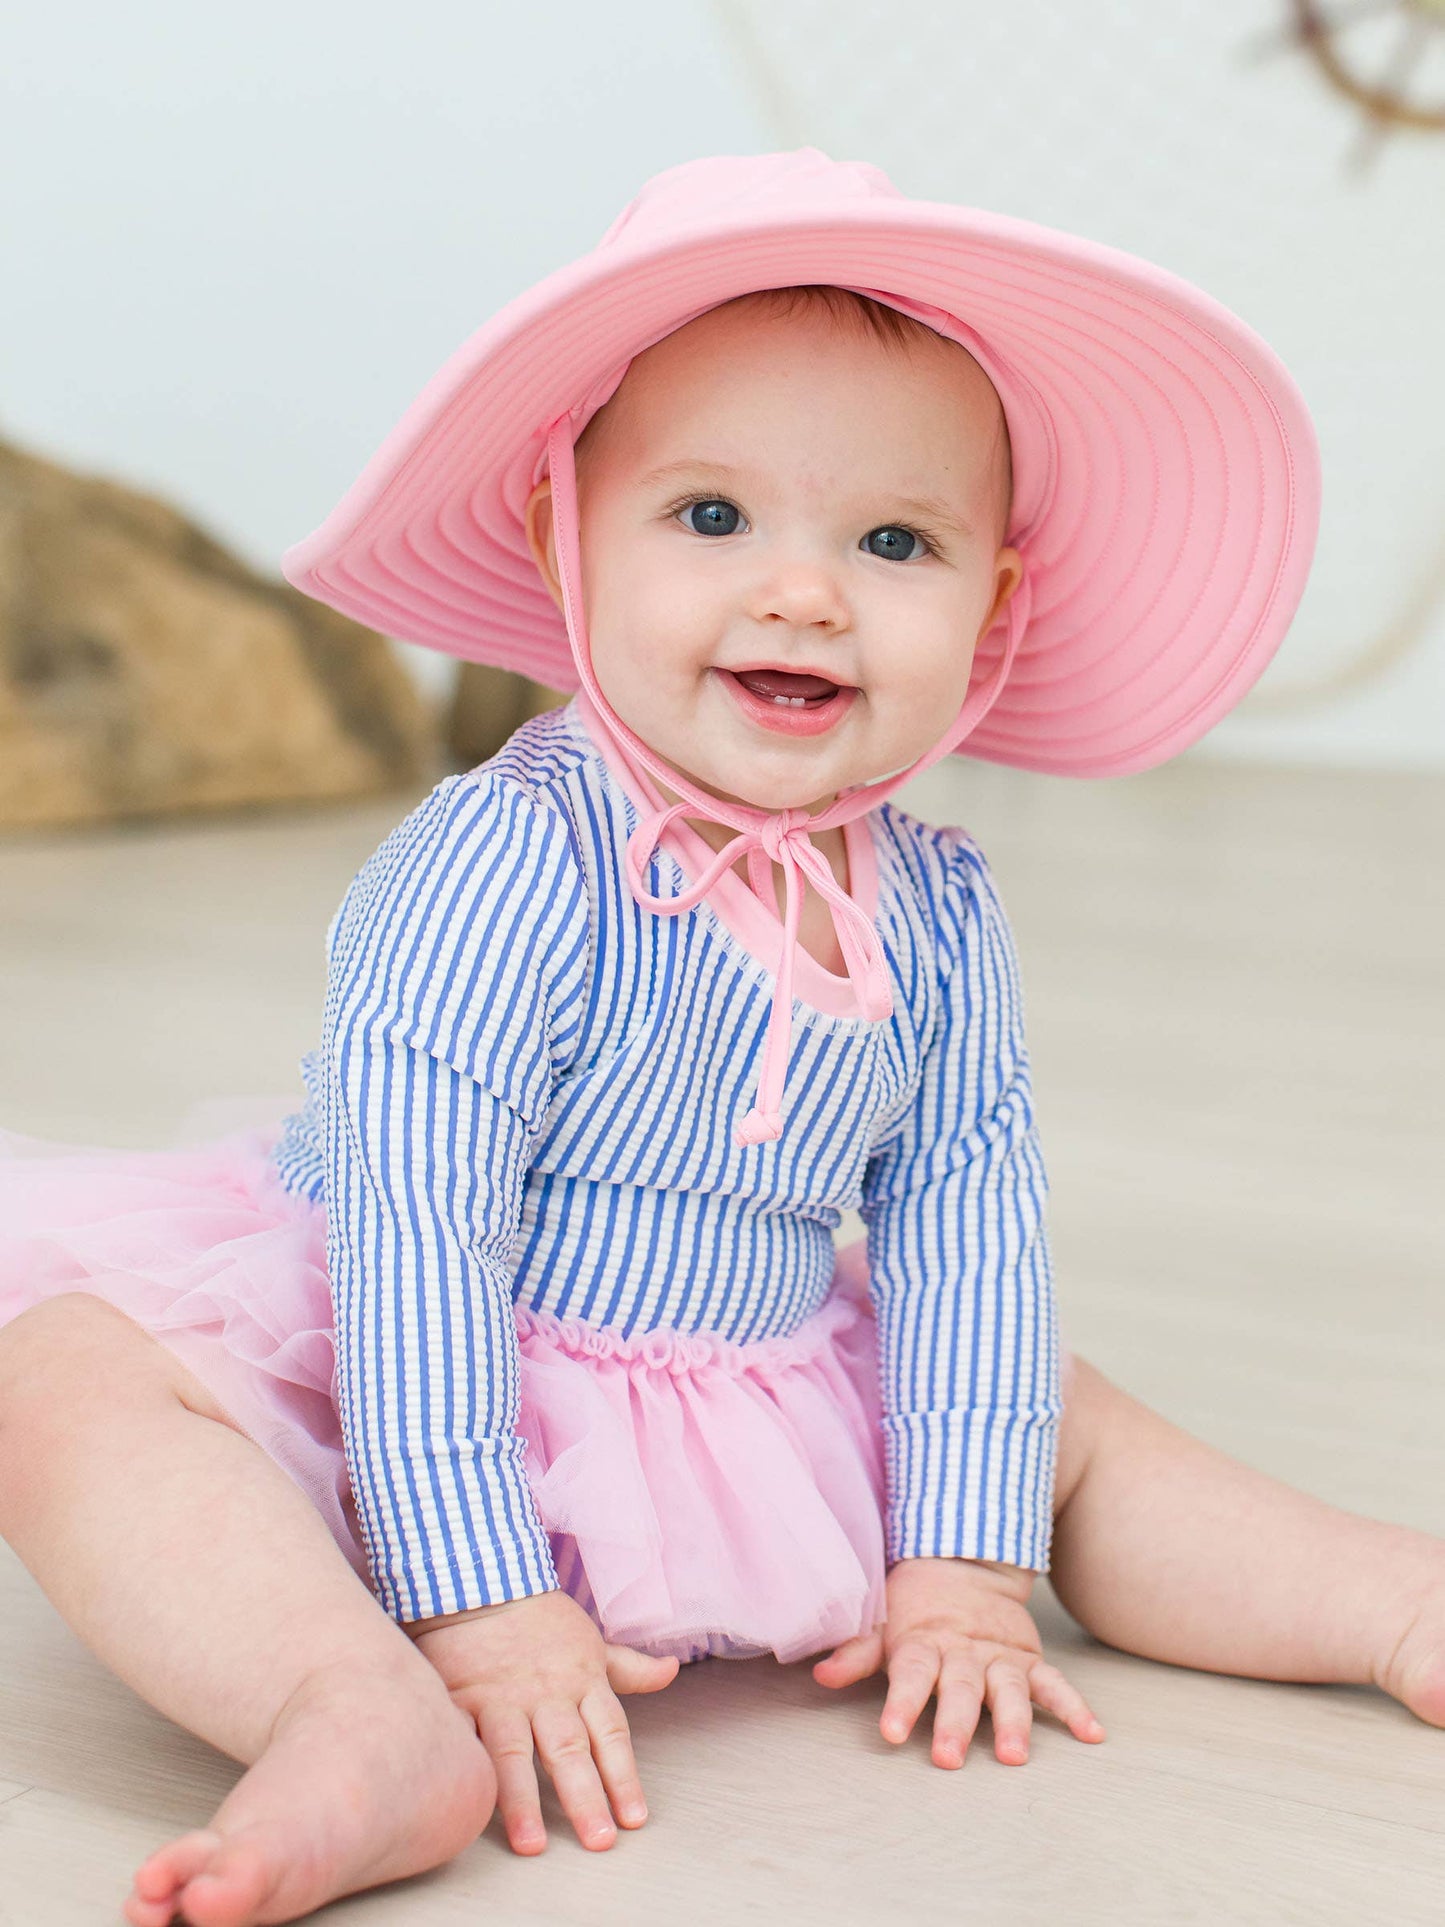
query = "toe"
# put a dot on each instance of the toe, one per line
(1423, 1688)
(174, 1864)
(148, 1913)
(232, 1890)
(158, 1881)
(1415, 1670)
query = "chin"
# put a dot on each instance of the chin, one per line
(784, 791)
(773, 805)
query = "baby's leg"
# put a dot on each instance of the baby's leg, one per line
(1165, 1547)
(194, 1567)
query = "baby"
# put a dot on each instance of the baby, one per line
(518, 1366)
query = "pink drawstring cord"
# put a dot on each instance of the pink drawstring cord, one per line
(782, 839)
(763, 837)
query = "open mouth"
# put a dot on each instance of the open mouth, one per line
(792, 700)
(787, 686)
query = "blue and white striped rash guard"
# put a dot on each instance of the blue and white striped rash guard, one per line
(527, 1090)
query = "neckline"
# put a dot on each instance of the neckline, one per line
(757, 929)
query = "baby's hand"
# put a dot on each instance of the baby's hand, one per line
(538, 1671)
(959, 1628)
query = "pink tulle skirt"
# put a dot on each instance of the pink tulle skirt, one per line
(701, 1496)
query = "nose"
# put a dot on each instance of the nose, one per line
(803, 594)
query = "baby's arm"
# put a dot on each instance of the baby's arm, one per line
(968, 1341)
(457, 972)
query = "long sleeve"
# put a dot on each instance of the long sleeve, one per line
(457, 968)
(954, 1206)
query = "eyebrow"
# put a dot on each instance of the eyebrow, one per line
(699, 465)
(927, 508)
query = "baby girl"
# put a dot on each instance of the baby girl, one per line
(387, 1449)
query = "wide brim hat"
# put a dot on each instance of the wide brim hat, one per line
(1166, 472)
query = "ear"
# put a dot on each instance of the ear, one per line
(537, 519)
(1008, 567)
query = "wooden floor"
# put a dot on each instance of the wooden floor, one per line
(1235, 995)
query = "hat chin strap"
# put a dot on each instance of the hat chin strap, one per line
(763, 837)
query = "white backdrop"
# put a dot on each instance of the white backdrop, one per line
(236, 242)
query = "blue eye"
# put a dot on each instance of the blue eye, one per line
(894, 545)
(712, 518)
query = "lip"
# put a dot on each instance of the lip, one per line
(781, 720)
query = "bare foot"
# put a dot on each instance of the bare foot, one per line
(1415, 1669)
(369, 1777)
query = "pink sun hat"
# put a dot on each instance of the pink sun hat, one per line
(1167, 484)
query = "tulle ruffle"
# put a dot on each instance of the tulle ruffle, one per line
(204, 1248)
(701, 1496)
(718, 1498)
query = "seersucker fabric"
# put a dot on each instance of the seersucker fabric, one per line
(522, 1109)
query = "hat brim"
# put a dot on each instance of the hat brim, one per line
(1166, 469)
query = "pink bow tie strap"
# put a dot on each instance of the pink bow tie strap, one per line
(762, 837)
(783, 839)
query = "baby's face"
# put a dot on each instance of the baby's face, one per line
(790, 537)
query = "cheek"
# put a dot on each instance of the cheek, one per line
(652, 624)
(935, 662)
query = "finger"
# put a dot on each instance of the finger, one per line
(508, 1740)
(612, 1751)
(912, 1672)
(565, 1748)
(855, 1659)
(960, 1700)
(629, 1671)
(1054, 1693)
(1007, 1688)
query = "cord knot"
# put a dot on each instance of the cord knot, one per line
(775, 832)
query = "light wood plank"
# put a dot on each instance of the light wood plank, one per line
(772, 1805)
(1237, 1031)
